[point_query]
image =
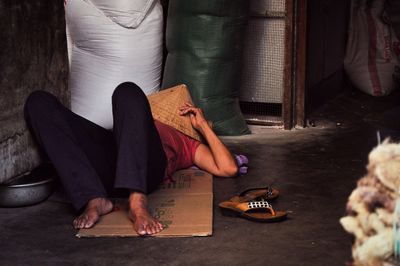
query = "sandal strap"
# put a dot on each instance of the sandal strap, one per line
(263, 204)
(258, 204)
(269, 191)
(267, 194)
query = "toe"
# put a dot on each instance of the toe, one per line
(149, 230)
(75, 224)
(157, 227)
(78, 222)
(88, 224)
(91, 221)
(83, 221)
(141, 230)
(160, 226)
(154, 228)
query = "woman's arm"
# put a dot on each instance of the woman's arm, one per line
(215, 158)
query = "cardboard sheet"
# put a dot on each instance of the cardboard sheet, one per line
(183, 207)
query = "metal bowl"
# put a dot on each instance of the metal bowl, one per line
(29, 189)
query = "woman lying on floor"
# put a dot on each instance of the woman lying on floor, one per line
(136, 156)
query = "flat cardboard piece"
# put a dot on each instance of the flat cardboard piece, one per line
(183, 207)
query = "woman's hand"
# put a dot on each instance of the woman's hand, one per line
(214, 158)
(196, 115)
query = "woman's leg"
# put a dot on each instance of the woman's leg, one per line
(81, 151)
(141, 161)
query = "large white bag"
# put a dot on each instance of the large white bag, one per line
(111, 42)
(370, 60)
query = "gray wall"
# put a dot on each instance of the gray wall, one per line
(33, 55)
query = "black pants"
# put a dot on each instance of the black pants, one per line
(92, 161)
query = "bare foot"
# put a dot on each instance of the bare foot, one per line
(94, 209)
(143, 222)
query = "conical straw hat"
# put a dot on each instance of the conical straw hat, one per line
(165, 108)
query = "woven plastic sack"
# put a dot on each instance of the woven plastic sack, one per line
(204, 43)
(111, 42)
(127, 13)
(392, 16)
(370, 60)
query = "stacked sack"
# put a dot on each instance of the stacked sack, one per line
(110, 42)
(371, 205)
(372, 52)
(205, 41)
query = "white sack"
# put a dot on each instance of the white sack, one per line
(370, 60)
(127, 13)
(104, 54)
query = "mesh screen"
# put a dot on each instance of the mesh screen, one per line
(263, 6)
(262, 74)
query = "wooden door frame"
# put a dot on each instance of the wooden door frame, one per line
(293, 109)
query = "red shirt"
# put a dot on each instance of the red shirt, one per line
(179, 148)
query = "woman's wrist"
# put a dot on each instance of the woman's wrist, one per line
(203, 125)
(206, 131)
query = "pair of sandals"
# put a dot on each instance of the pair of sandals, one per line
(252, 204)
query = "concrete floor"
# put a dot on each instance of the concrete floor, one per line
(315, 169)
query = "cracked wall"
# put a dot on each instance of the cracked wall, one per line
(33, 55)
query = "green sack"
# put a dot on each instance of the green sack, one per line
(204, 42)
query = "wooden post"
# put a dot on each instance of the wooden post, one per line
(287, 107)
(295, 64)
(300, 73)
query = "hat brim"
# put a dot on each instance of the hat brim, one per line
(165, 106)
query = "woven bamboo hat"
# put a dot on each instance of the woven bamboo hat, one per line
(165, 108)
